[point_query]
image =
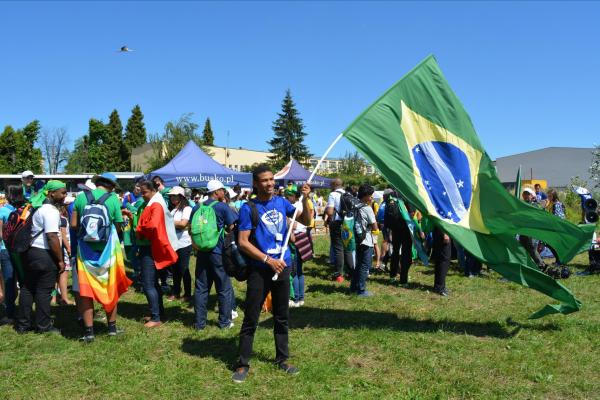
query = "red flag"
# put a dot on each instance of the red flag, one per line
(156, 225)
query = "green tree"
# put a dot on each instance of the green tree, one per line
(208, 138)
(595, 167)
(113, 145)
(353, 164)
(171, 141)
(78, 159)
(135, 133)
(17, 149)
(288, 141)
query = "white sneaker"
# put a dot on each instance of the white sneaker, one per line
(234, 314)
(291, 303)
(300, 303)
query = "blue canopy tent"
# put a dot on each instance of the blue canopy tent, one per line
(294, 172)
(195, 168)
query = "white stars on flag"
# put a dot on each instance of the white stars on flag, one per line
(460, 183)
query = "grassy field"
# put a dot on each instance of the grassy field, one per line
(401, 343)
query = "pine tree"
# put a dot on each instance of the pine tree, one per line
(288, 141)
(207, 134)
(97, 137)
(135, 134)
(113, 145)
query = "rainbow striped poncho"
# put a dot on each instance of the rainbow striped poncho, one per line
(102, 274)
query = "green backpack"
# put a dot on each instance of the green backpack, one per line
(205, 233)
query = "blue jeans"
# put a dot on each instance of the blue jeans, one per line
(134, 261)
(364, 259)
(461, 256)
(209, 269)
(181, 271)
(10, 287)
(150, 284)
(298, 281)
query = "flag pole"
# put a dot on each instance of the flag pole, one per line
(312, 175)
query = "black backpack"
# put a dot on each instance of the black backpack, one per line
(235, 263)
(392, 217)
(16, 232)
(348, 204)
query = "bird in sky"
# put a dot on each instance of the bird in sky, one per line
(125, 49)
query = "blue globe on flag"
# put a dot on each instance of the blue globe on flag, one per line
(446, 177)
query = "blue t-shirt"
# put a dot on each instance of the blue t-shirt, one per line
(225, 217)
(4, 213)
(130, 198)
(541, 196)
(271, 229)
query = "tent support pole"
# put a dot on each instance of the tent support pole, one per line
(312, 175)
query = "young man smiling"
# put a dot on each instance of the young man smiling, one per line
(264, 250)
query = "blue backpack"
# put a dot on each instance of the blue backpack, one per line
(94, 220)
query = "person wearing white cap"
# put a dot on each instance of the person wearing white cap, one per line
(209, 261)
(181, 213)
(528, 196)
(28, 188)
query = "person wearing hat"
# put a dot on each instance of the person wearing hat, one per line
(43, 261)
(529, 197)
(181, 213)
(105, 183)
(28, 186)
(209, 264)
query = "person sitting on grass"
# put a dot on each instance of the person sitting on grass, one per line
(365, 219)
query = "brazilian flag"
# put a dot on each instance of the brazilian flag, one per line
(421, 139)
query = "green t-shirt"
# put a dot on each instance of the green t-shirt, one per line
(139, 205)
(113, 205)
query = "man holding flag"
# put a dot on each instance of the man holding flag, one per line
(421, 139)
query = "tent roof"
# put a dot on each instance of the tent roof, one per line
(293, 171)
(195, 168)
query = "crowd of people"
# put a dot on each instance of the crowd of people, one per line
(156, 229)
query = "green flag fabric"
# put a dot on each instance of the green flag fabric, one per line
(423, 142)
(518, 184)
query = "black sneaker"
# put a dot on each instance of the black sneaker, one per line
(288, 369)
(240, 374)
(116, 331)
(87, 338)
(6, 321)
(443, 292)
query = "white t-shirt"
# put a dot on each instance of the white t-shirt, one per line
(367, 219)
(334, 201)
(46, 219)
(182, 234)
(299, 227)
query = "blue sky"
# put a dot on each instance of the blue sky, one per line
(528, 73)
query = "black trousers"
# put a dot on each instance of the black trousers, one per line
(401, 239)
(342, 257)
(442, 253)
(41, 273)
(259, 284)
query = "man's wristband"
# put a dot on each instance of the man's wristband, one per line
(266, 259)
